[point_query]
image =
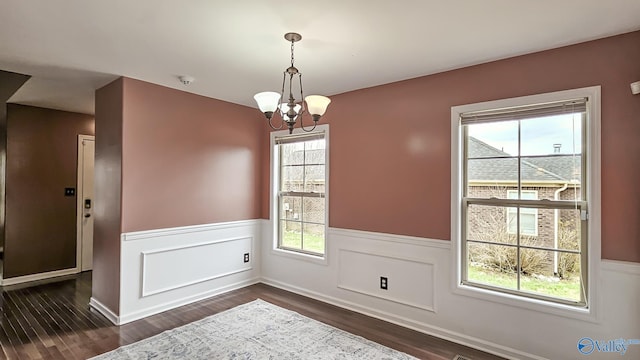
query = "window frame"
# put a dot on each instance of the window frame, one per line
(275, 194)
(591, 149)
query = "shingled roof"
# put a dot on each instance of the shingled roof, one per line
(486, 163)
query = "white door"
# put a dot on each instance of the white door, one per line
(86, 150)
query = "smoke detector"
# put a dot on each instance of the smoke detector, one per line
(186, 79)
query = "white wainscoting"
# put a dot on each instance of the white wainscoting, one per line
(356, 260)
(361, 272)
(195, 264)
(166, 268)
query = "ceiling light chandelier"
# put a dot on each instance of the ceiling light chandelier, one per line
(269, 101)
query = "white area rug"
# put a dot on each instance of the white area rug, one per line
(256, 330)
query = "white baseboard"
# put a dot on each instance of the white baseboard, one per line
(127, 318)
(104, 310)
(39, 276)
(438, 332)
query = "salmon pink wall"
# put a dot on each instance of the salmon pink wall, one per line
(187, 159)
(390, 145)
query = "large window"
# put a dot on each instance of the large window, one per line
(523, 216)
(300, 164)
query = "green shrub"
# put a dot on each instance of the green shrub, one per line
(505, 258)
(568, 239)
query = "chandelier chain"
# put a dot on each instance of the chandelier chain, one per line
(292, 42)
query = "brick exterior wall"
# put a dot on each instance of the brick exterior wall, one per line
(489, 223)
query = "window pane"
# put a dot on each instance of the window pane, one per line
(313, 238)
(313, 210)
(568, 229)
(488, 223)
(559, 134)
(528, 221)
(559, 169)
(572, 192)
(291, 234)
(291, 208)
(528, 216)
(568, 270)
(493, 139)
(492, 265)
(524, 194)
(315, 151)
(292, 154)
(291, 178)
(487, 178)
(538, 267)
(550, 169)
(314, 178)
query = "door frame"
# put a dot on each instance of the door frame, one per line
(79, 203)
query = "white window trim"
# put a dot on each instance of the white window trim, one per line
(593, 148)
(526, 211)
(273, 206)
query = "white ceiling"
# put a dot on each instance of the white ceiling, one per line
(234, 49)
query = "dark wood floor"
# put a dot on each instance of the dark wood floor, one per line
(53, 321)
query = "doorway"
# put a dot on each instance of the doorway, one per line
(86, 152)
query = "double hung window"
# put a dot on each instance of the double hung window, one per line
(523, 216)
(300, 197)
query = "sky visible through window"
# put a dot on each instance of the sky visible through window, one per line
(539, 135)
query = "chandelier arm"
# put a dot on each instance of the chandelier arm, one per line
(292, 100)
(284, 80)
(273, 127)
(315, 123)
(301, 97)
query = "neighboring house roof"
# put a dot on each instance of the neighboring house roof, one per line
(566, 166)
(487, 163)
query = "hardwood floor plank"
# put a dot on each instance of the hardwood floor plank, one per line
(22, 330)
(53, 321)
(9, 350)
(48, 325)
(28, 312)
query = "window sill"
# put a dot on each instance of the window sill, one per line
(320, 260)
(541, 306)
